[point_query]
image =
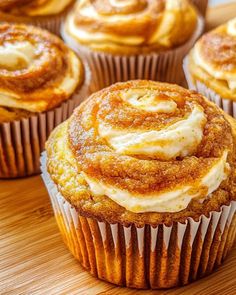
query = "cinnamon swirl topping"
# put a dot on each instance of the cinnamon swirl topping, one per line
(149, 146)
(151, 25)
(7, 4)
(37, 71)
(215, 53)
(33, 7)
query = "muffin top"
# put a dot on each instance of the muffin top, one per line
(144, 152)
(131, 26)
(213, 59)
(37, 70)
(34, 7)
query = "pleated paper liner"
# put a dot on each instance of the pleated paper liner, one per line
(21, 142)
(229, 106)
(146, 257)
(51, 23)
(107, 69)
(201, 5)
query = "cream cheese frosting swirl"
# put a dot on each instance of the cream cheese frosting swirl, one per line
(34, 7)
(149, 146)
(215, 53)
(159, 24)
(37, 71)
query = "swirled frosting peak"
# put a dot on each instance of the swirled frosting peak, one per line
(37, 71)
(17, 55)
(103, 24)
(149, 146)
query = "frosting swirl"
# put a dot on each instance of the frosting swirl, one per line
(34, 7)
(179, 139)
(37, 71)
(159, 24)
(215, 53)
(148, 156)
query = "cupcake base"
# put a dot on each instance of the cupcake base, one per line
(22, 141)
(107, 69)
(161, 256)
(226, 104)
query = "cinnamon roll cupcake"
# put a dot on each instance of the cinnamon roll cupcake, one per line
(47, 14)
(103, 32)
(142, 176)
(211, 66)
(42, 80)
(201, 5)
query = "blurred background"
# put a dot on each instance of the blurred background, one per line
(214, 2)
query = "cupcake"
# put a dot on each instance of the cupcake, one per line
(47, 14)
(104, 34)
(142, 177)
(42, 80)
(210, 67)
(201, 5)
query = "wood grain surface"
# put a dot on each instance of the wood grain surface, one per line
(34, 260)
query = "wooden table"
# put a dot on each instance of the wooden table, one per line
(34, 260)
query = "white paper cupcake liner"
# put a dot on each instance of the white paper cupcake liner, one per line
(201, 5)
(226, 104)
(146, 257)
(107, 69)
(22, 141)
(52, 24)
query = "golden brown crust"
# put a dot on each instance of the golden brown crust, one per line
(157, 26)
(217, 49)
(106, 165)
(105, 7)
(24, 80)
(33, 77)
(6, 4)
(84, 150)
(19, 8)
(219, 86)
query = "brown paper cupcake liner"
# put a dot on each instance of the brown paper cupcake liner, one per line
(107, 69)
(145, 257)
(22, 141)
(201, 5)
(226, 104)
